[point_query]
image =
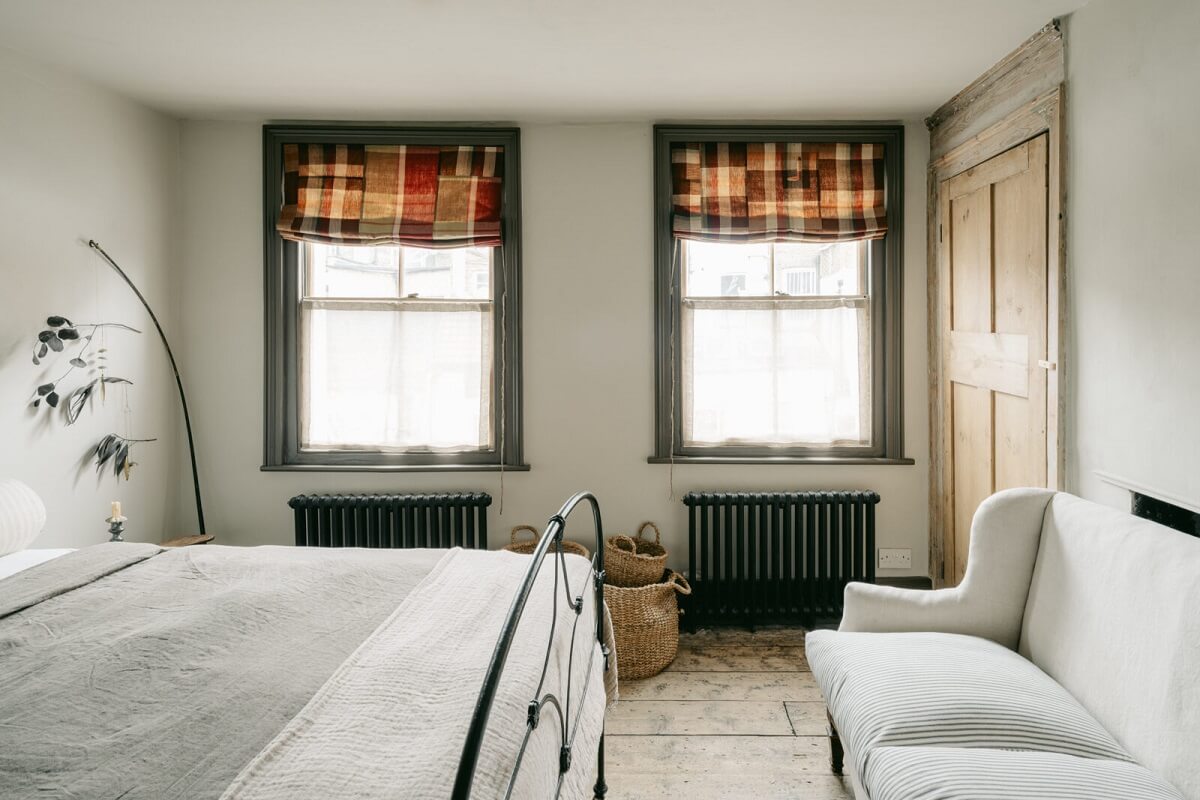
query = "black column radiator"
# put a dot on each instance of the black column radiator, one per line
(392, 520)
(776, 557)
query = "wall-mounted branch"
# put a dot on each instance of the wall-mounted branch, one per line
(187, 420)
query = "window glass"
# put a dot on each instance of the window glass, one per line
(396, 349)
(728, 270)
(825, 269)
(385, 379)
(776, 376)
(786, 364)
(461, 272)
(337, 271)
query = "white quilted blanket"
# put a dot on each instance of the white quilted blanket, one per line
(391, 721)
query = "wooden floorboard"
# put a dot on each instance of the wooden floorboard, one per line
(807, 718)
(699, 718)
(751, 686)
(737, 715)
(739, 658)
(738, 636)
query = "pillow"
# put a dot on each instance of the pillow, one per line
(22, 516)
(22, 560)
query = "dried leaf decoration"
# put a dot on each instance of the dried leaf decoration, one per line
(116, 451)
(61, 335)
(78, 399)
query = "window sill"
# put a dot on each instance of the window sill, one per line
(785, 460)
(392, 468)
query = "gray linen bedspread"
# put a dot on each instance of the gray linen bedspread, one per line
(392, 720)
(128, 671)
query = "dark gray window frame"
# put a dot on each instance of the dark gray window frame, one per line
(280, 411)
(886, 299)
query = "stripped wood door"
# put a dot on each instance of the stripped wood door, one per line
(993, 284)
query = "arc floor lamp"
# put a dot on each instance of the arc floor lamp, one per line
(203, 535)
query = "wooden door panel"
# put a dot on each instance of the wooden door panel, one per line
(994, 335)
(1019, 459)
(1019, 257)
(970, 253)
(1000, 168)
(970, 414)
(996, 361)
(971, 409)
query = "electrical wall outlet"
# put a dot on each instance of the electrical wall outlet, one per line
(895, 558)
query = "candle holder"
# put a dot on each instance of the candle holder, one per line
(116, 526)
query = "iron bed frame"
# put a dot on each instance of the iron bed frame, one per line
(550, 544)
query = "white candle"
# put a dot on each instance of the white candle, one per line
(116, 509)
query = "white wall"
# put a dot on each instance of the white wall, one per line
(1134, 238)
(588, 348)
(79, 162)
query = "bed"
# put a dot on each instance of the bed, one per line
(13, 563)
(133, 671)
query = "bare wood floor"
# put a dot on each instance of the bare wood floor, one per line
(737, 715)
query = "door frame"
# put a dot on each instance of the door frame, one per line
(1044, 114)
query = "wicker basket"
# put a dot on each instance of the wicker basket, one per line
(645, 623)
(635, 561)
(527, 546)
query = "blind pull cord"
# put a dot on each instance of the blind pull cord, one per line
(676, 268)
(503, 373)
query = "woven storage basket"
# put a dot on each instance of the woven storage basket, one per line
(635, 561)
(645, 623)
(527, 546)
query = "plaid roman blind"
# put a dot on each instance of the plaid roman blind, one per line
(417, 195)
(777, 191)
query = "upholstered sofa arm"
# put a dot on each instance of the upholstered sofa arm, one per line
(990, 601)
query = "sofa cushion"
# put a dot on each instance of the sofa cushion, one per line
(1112, 616)
(947, 773)
(942, 689)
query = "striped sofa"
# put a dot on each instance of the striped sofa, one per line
(1065, 665)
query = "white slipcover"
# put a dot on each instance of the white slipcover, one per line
(1106, 604)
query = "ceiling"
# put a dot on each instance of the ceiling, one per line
(528, 60)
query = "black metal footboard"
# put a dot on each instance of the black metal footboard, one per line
(550, 544)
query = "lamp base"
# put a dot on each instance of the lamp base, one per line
(188, 541)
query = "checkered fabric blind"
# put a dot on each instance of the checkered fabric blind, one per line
(777, 191)
(418, 195)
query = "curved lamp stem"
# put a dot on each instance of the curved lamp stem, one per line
(187, 419)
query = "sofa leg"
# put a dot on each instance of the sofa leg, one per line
(836, 754)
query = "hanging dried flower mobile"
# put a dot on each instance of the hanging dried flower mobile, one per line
(118, 451)
(60, 336)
